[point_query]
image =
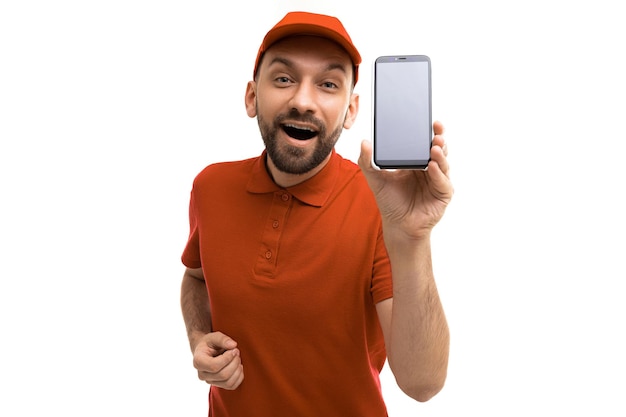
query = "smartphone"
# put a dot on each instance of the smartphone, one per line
(402, 105)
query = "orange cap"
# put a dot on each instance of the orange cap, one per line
(304, 23)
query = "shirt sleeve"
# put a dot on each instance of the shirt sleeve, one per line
(191, 253)
(382, 287)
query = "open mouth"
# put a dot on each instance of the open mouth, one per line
(299, 133)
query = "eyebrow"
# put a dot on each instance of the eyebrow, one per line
(288, 63)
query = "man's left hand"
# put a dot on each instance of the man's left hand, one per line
(411, 201)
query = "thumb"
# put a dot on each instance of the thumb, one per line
(365, 158)
(219, 340)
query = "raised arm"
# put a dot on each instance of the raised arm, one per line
(413, 321)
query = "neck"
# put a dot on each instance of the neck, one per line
(287, 180)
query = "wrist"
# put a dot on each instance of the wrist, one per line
(403, 238)
(195, 337)
(402, 246)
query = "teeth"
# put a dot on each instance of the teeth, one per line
(300, 128)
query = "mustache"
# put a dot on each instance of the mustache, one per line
(295, 116)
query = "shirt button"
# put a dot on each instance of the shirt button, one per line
(275, 224)
(285, 197)
(268, 254)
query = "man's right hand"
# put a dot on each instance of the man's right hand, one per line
(218, 361)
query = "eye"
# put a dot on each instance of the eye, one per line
(329, 84)
(282, 80)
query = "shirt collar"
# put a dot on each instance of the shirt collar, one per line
(315, 191)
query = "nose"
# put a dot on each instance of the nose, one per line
(304, 97)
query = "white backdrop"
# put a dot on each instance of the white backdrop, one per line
(108, 109)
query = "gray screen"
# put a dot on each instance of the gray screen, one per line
(402, 113)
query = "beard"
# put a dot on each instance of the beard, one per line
(292, 159)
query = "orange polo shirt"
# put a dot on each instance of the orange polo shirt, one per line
(293, 276)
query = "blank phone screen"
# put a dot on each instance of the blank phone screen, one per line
(402, 119)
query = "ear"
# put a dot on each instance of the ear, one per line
(353, 110)
(250, 99)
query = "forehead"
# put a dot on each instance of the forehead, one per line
(310, 49)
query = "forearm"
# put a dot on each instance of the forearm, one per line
(419, 340)
(195, 307)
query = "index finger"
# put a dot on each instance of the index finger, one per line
(214, 364)
(438, 128)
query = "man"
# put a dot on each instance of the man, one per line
(288, 297)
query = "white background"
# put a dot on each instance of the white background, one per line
(108, 109)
